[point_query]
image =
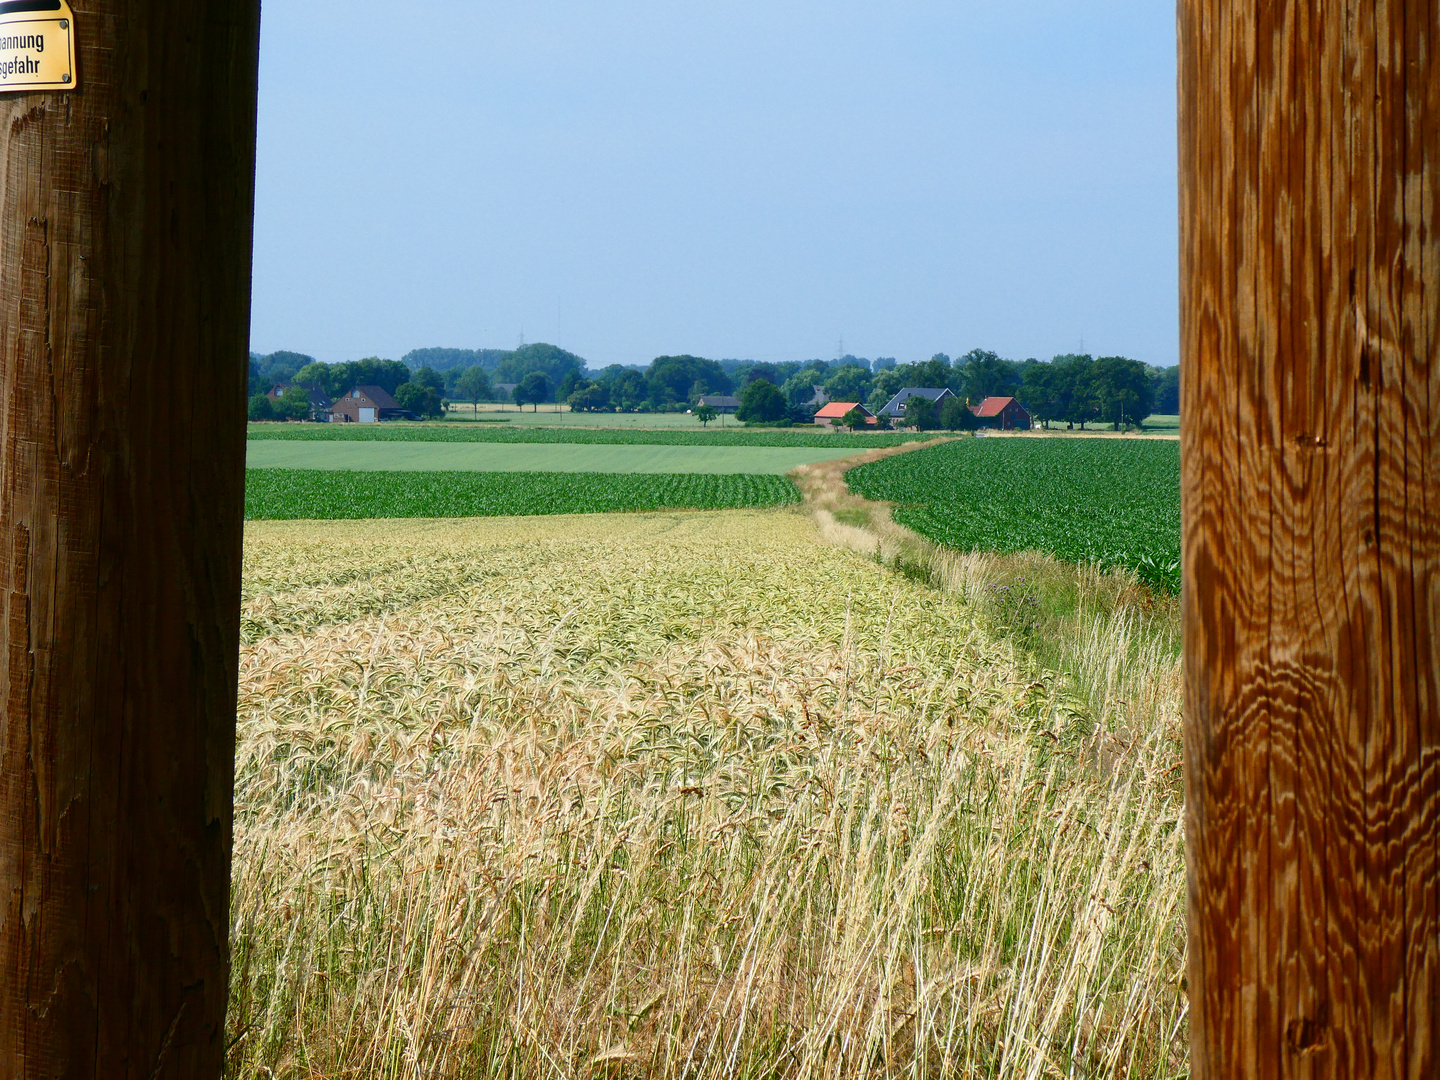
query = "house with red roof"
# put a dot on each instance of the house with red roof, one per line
(1003, 412)
(836, 410)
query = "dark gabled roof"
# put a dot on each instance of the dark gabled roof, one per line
(719, 401)
(317, 395)
(993, 406)
(378, 395)
(896, 405)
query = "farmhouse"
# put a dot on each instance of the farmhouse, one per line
(895, 407)
(836, 410)
(1004, 412)
(725, 403)
(366, 405)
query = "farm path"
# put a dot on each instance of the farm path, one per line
(849, 520)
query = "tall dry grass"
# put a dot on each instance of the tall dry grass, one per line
(1115, 642)
(678, 795)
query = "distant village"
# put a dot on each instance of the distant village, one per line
(372, 404)
(977, 390)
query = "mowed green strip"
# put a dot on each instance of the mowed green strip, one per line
(310, 494)
(533, 457)
(806, 435)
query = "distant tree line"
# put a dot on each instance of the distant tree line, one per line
(1073, 389)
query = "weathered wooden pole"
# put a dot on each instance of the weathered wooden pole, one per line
(125, 234)
(1309, 178)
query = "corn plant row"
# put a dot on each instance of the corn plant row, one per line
(1115, 503)
(288, 494)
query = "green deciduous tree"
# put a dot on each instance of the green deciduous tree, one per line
(572, 381)
(774, 373)
(626, 387)
(761, 402)
(890, 382)
(315, 373)
(553, 362)
(389, 375)
(1076, 402)
(706, 413)
(450, 359)
(800, 387)
(1039, 392)
(1122, 389)
(982, 373)
(1166, 385)
(429, 377)
(920, 414)
(849, 383)
(532, 390)
(674, 381)
(422, 401)
(589, 397)
(954, 415)
(473, 386)
(260, 408)
(269, 369)
(294, 404)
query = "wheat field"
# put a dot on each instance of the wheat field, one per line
(682, 795)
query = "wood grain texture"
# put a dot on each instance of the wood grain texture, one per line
(1311, 470)
(125, 237)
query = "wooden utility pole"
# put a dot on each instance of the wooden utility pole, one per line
(125, 236)
(1309, 179)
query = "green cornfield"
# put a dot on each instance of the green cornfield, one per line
(801, 437)
(1115, 503)
(291, 494)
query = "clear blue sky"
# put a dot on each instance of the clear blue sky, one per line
(737, 178)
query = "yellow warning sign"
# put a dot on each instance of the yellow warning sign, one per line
(37, 46)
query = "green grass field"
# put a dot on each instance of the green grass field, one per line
(289, 494)
(483, 457)
(814, 437)
(1116, 503)
(548, 415)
